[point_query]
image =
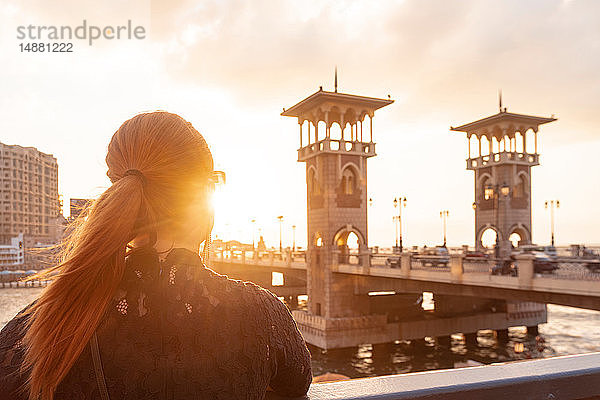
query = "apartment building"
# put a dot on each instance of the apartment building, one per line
(29, 202)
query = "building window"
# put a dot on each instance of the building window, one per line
(348, 181)
(519, 188)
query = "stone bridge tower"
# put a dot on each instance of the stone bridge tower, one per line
(502, 149)
(335, 146)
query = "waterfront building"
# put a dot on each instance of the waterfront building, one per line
(12, 254)
(29, 201)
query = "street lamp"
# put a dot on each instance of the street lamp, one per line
(253, 221)
(280, 218)
(293, 238)
(552, 204)
(444, 214)
(399, 203)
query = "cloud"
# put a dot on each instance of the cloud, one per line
(435, 55)
(440, 58)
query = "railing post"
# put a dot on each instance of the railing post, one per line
(365, 258)
(271, 256)
(405, 260)
(456, 266)
(525, 269)
(288, 255)
(243, 256)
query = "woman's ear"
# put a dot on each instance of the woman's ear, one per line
(198, 218)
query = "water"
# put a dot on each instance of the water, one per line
(569, 331)
(14, 300)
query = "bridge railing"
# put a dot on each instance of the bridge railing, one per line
(579, 270)
(430, 263)
(524, 266)
(564, 378)
(385, 260)
(259, 257)
(561, 268)
(477, 265)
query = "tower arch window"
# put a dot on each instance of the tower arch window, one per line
(335, 131)
(348, 181)
(488, 237)
(519, 188)
(318, 240)
(313, 183)
(515, 238)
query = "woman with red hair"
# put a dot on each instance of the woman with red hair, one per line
(132, 311)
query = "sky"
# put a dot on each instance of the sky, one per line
(229, 67)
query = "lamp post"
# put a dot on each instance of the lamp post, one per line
(551, 204)
(253, 222)
(293, 238)
(399, 203)
(444, 214)
(280, 218)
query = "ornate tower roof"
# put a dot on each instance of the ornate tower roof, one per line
(335, 107)
(503, 124)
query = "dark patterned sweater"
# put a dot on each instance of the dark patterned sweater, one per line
(178, 330)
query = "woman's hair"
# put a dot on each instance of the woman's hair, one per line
(157, 163)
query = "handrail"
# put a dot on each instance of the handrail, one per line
(564, 378)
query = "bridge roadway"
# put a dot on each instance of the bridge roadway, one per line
(571, 285)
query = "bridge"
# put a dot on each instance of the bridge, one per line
(368, 297)
(468, 295)
(572, 284)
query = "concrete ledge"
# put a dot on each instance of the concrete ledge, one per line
(568, 377)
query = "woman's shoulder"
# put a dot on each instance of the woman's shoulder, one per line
(250, 293)
(11, 355)
(14, 330)
(253, 299)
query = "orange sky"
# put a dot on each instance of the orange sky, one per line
(230, 66)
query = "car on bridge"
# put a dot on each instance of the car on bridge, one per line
(549, 251)
(593, 265)
(437, 256)
(542, 264)
(592, 260)
(544, 261)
